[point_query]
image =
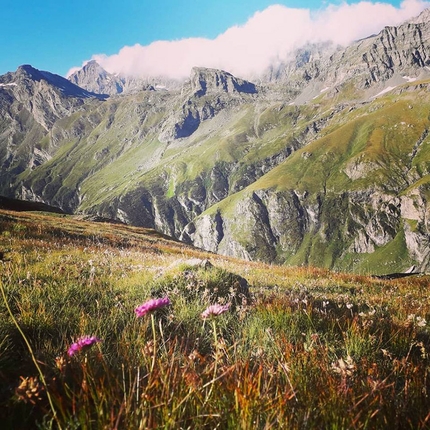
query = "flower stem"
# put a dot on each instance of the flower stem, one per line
(30, 350)
(154, 339)
(215, 333)
(216, 360)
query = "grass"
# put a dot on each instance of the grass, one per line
(304, 348)
(392, 257)
(385, 136)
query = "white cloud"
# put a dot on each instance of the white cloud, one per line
(267, 36)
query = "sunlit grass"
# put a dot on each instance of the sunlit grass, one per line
(306, 348)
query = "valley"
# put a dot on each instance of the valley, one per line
(323, 160)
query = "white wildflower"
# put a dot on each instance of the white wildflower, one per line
(344, 367)
(421, 322)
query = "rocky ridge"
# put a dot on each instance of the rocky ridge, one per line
(394, 56)
(94, 78)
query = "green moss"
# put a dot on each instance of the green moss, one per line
(412, 223)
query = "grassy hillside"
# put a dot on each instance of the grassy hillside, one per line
(350, 180)
(109, 149)
(383, 134)
(297, 348)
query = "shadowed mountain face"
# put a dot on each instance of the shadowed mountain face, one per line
(26, 206)
(325, 161)
(28, 77)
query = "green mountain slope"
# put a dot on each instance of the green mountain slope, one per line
(354, 198)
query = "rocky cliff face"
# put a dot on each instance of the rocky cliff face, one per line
(325, 162)
(394, 56)
(282, 227)
(31, 102)
(204, 81)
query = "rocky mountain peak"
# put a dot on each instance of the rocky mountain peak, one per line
(205, 80)
(94, 78)
(93, 65)
(368, 67)
(422, 18)
(26, 75)
(26, 70)
(44, 95)
(91, 70)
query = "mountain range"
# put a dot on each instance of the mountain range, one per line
(324, 159)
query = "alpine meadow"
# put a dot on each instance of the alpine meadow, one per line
(220, 251)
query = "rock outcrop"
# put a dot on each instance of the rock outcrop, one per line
(208, 92)
(205, 81)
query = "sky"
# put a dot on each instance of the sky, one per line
(143, 37)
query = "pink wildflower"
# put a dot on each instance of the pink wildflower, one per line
(151, 305)
(82, 344)
(215, 310)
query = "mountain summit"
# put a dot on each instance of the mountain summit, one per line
(94, 78)
(205, 81)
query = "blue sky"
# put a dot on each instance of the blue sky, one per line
(58, 35)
